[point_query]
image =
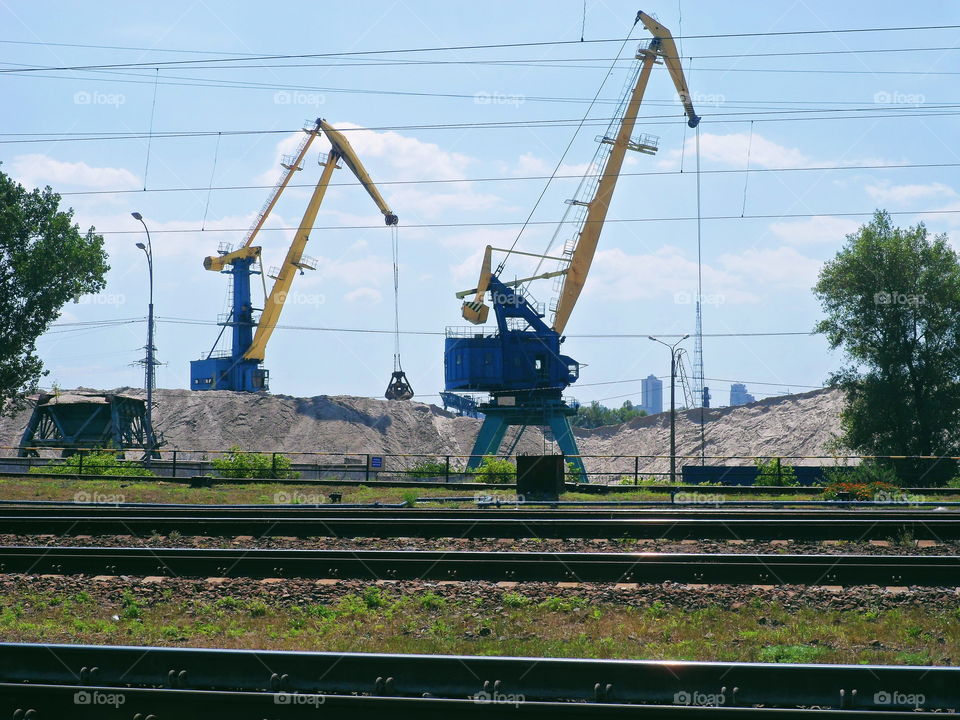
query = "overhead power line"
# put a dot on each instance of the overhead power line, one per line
(885, 112)
(376, 331)
(492, 46)
(515, 178)
(511, 223)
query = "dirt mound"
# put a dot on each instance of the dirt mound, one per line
(215, 420)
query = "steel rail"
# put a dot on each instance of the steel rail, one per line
(51, 674)
(699, 500)
(716, 510)
(735, 569)
(31, 702)
(698, 524)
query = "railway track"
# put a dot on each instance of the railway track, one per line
(696, 568)
(164, 682)
(813, 525)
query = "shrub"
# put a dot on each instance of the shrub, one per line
(495, 470)
(427, 469)
(866, 472)
(98, 462)
(858, 490)
(239, 464)
(770, 471)
(573, 473)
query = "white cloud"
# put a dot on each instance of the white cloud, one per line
(669, 273)
(731, 150)
(364, 296)
(37, 170)
(782, 267)
(666, 272)
(392, 156)
(353, 272)
(819, 229)
(411, 159)
(886, 193)
(529, 164)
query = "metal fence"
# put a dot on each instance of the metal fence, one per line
(636, 470)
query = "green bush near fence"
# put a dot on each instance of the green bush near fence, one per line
(869, 471)
(495, 470)
(239, 464)
(772, 472)
(427, 469)
(99, 462)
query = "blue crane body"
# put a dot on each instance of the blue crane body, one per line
(232, 371)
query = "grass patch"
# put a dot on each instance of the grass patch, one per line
(377, 620)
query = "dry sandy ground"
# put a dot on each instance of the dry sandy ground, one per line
(799, 424)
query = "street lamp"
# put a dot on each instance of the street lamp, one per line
(150, 361)
(673, 413)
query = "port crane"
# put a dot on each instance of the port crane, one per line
(241, 368)
(520, 364)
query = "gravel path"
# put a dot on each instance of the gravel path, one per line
(107, 591)
(495, 545)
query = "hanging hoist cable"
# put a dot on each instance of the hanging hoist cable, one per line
(213, 172)
(399, 387)
(746, 175)
(704, 399)
(396, 298)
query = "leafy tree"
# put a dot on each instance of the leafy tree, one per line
(892, 303)
(595, 415)
(45, 261)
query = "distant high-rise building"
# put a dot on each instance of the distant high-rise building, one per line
(652, 395)
(739, 395)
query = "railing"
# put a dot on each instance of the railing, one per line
(632, 470)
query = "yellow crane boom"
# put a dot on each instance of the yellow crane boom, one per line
(340, 149)
(662, 47)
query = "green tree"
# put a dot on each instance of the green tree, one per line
(892, 303)
(45, 261)
(596, 415)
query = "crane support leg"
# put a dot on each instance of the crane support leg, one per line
(488, 439)
(553, 414)
(563, 434)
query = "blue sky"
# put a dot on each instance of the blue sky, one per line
(758, 265)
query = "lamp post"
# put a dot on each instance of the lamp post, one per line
(673, 413)
(150, 361)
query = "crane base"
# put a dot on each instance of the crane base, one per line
(498, 418)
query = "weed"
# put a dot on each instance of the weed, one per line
(791, 653)
(516, 600)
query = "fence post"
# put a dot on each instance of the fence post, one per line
(446, 469)
(366, 469)
(80, 463)
(779, 475)
(174, 468)
(273, 466)
(636, 469)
